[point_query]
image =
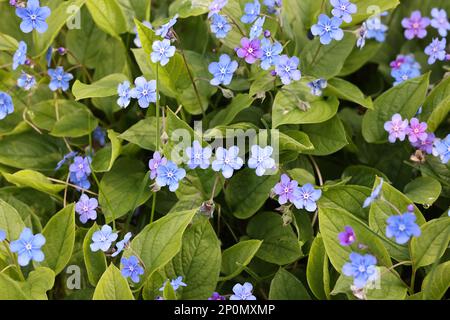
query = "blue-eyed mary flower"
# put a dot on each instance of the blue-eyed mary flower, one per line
(162, 52)
(164, 30)
(250, 50)
(102, 239)
(227, 161)
(286, 69)
(131, 268)
(251, 11)
(66, 157)
(48, 56)
(343, 9)
(261, 159)
(216, 6)
(175, 283)
(82, 182)
(375, 29)
(243, 292)
(404, 73)
(33, 17)
(273, 6)
(416, 131)
(404, 59)
(317, 86)
(145, 91)
(306, 197)
(124, 92)
(397, 128)
(257, 28)
(425, 145)
(20, 56)
(198, 156)
(122, 244)
(362, 268)
(223, 70)
(169, 175)
(347, 237)
(220, 26)
(374, 195)
(440, 21)
(59, 79)
(285, 189)
(99, 136)
(80, 167)
(6, 105)
(442, 149)
(436, 50)
(86, 208)
(415, 25)
(26, 81)
(402, 227)
(28, 247)
(328, 29)
(271, 53)
(154, 163)
(2, 235)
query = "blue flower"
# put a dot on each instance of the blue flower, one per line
(145, 91)
(286, 69)
(85, 207)
(257, 28)
(26, 81)
(103, 238)
(198, 156)
(440, 21)
(99, 135)
(20, 56)
(402, 227)
(375, 29)
(220, 26)
(175, 283)
(169, 175)
(66, 157)
(252, 11)
(33, 17)
(343, 9)
(227, 161)
(328, 29)
(261, 159)
(273, 6)
(83, 182)
(2, 235)
(317, 86)
(305, 197)
(6, 105)
(131, 268)
(362, 268)
(243, 292)
(59, 79)
(48, 56)
(223, 70)
(28, 247)
(374, 195)
(124, 92)
(271, 53)
(162, 52)
(216, 6)
(404, 73)
(80, 167)
(164, 30)
(436, 50)
(122, 244)
(441, 148)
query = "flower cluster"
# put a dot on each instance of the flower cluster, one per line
(144, 91)
(404, 67)
(79, 171)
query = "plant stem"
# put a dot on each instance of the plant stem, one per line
(213, 192)
(72, 185)
(152, 215)
(158, 133)
(319, 177)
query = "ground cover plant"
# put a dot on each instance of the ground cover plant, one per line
(225, 149)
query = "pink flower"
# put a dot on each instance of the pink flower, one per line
(425, 145)
(415, 26)
(396, 128)
(154, 163)
(347, 237)
(250, 50)
(416, 130)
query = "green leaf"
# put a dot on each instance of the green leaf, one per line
(108, 16)
(359, 57)
(77, 124)
(317, 272)
(38, 283)
(245, 199)
(10, 221)
(347, 91)
(60, 239)
(285, 286)
(280, 244)
(226, 116)
(363, 175)
(198, 261)
(367, 8)
(105, 87)
(188, 8)
(332, 221)
(119, 190)
(112, 286)
(142, 133)
(95, 261)
(432, 243)
(237, 257)
(423, 190)
(327, 137)
(35, 180)
(104, 158)
(405, 99)
(10, 289)
(160, 241)
(8, 43)
(295, 140)
(437, 282)
(326, 61)
(168, 292)
(437, 105)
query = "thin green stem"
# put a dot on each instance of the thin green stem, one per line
(152, 215)
(100, 191)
